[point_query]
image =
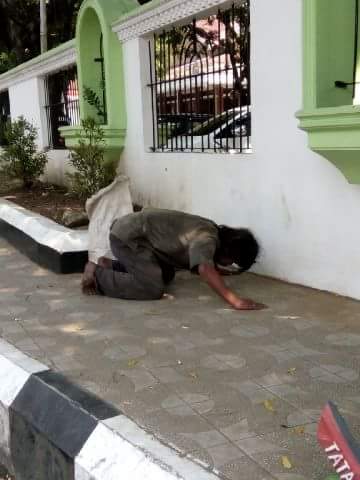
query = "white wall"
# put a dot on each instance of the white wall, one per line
(57, 167)
(27, 98)
(301, 208)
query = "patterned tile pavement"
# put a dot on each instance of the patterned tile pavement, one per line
(241, 392)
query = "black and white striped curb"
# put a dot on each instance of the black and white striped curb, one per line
(44, 241)
(50, 429)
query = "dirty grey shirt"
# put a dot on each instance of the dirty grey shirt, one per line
(179, 239)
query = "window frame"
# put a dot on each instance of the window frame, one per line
(153, 84)
(333, 131)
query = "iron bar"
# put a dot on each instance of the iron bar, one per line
(203, 67)
(62, 104)
(171, 97)
(233, 46)
(356, 44)
(177, 98)
(152, 98)
(156, 94)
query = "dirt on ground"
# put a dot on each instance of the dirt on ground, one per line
(49, 200)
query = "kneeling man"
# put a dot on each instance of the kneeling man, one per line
(149, 246)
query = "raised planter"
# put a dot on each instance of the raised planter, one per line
(44, 241)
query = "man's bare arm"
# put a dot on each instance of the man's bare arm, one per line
(226, 272)
(215, 281)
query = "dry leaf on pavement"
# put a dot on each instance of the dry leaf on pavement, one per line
(285, 462)
(268, 404)
(299, 430)
(132, 363)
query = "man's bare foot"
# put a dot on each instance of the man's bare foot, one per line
(89, 281)
(104, 262)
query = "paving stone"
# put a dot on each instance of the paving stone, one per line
(141, 378)
(238, 431)
(166, 374)
(223, 362)
(223, 454)
(208, 439)
(302, 451)
(195, 372)
(255, 445)
(344, 339)
(244, 468)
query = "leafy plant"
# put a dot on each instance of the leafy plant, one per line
(92, 171)
(20, 158)
(3, 126)
(20, 25)
(8, 60)
(93, 99)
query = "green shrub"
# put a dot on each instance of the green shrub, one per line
(8, 60)
(92, 172)
(20, 158)
(92, 98)
(3, 126)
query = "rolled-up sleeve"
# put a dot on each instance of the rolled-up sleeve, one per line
(202, 250)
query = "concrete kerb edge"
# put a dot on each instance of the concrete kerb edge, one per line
(111, 446)
(45, 242)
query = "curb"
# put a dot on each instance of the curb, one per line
(45, 242)
(51, 429)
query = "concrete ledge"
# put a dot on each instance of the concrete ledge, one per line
(50, 429)
(50, 421)
(15, 370)
(44, 241)
(118, 448)
(55, 59)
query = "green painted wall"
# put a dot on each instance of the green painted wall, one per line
(95, 19)
(335, 33)
(357, 71)
(329, 115)
(90, 71)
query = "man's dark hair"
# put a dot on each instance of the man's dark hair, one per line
(240, 245)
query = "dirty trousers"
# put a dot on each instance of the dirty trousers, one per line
(138, 275)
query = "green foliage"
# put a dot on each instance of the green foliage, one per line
(204, 38)
(93, 99)
(20, 158)
(20, 28)
(92, 172)
(8, 60)
(3, 128)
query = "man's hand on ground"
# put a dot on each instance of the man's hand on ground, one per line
(247, 304)
(213, 278)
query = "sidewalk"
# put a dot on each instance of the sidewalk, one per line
(242, 392)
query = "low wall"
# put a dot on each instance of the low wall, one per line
(58, 167)
(301, 208)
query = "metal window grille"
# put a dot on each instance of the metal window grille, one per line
(101, 61)
(354, 83)
(200, 84)
(62, 104)
(4, 115)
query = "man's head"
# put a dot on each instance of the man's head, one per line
(237, 245)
